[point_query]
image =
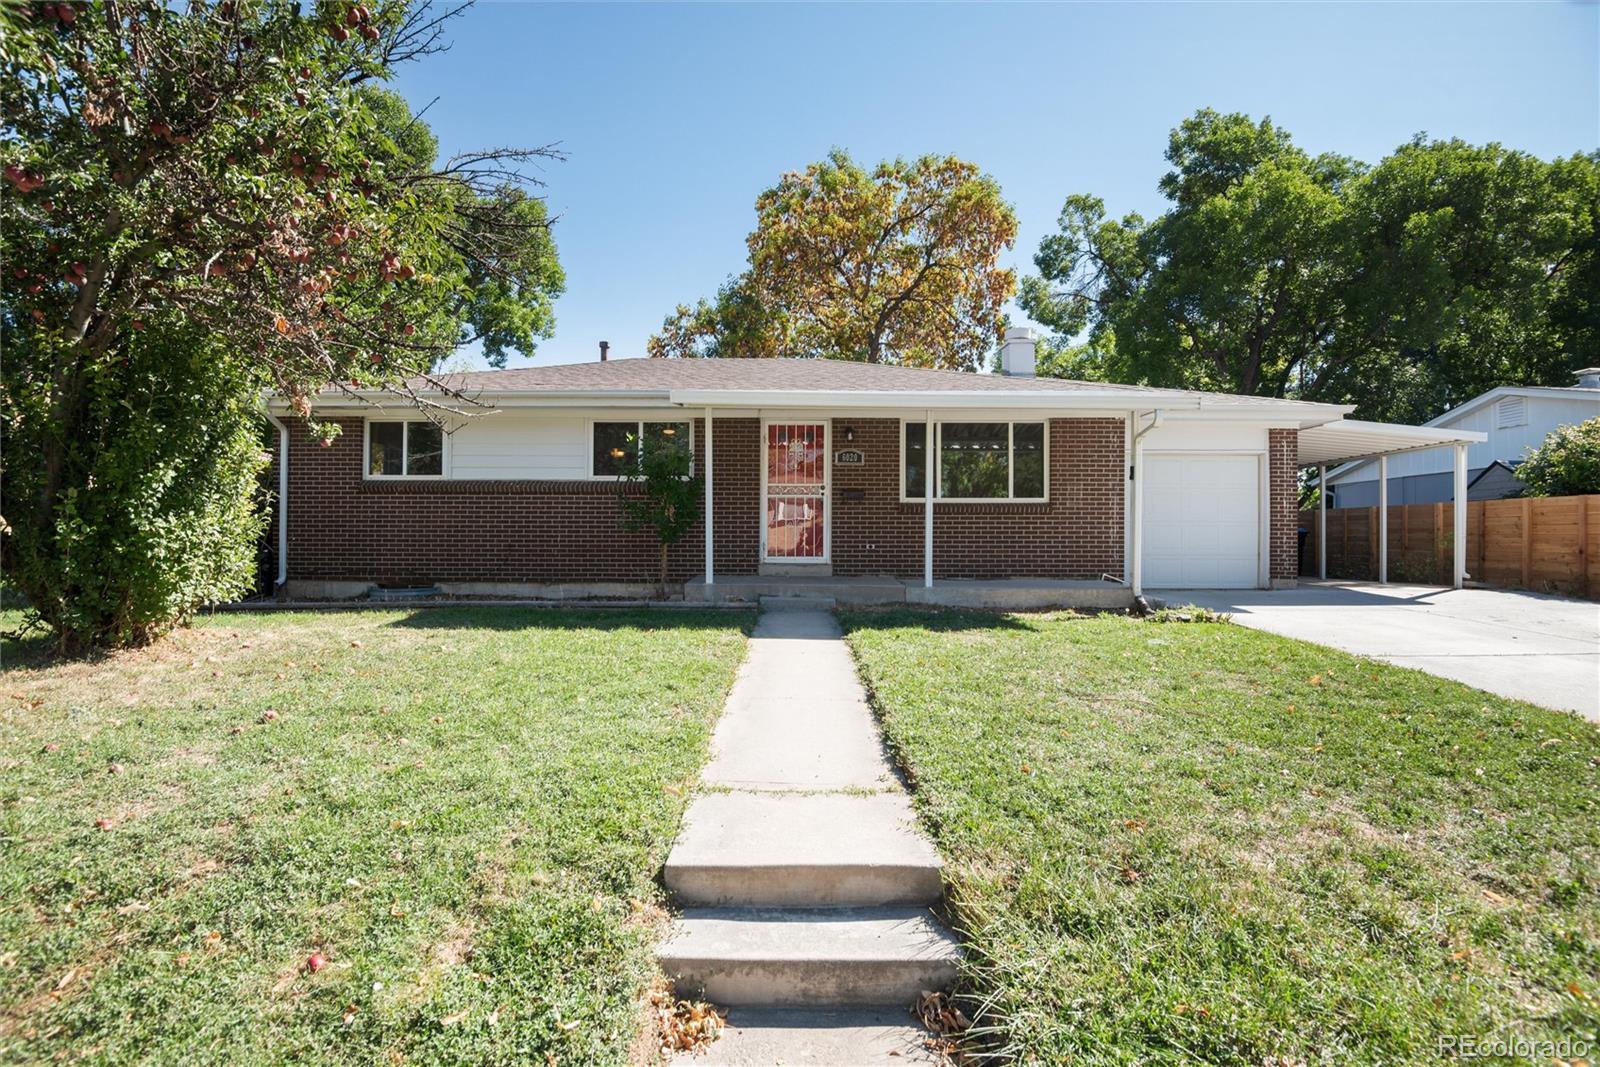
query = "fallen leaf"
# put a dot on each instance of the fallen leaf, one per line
(350, 1014)
(1315, 679)
(453, 1018)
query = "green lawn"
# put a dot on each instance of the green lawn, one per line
(1201, 843)
(462, 810)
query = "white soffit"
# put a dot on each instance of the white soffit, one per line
(1350, 439)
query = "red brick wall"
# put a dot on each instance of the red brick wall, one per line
(1282, 463)
(1077, 534)
(343, 527)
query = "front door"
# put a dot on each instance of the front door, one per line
(794, 526)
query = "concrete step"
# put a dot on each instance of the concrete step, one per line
(846, 1037)
(803, 850)
(809, 957)
(797, 602)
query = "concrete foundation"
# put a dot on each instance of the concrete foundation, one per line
(1012, 594)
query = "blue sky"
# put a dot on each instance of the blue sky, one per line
(675, 116)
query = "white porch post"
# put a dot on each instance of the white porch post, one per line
(1459, 577)
(1322, 521)
(1383, 520)
(1136, 547)
(710, 526)
(928, 460)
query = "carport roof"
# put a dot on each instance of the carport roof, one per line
(1351, 439)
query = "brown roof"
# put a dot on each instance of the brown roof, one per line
(662, 375)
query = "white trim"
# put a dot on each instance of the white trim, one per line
(588, 441)
(1383, 520)
(710, 519)
(937, 464)
(827, 491)
(405, 458)
(1458, 515)
(928, 449)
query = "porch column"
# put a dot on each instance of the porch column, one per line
(710, 526)
(1459, 546)
(1383, 520)
(928, 460)
(1322, 521)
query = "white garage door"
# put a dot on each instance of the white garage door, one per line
(1202, 521)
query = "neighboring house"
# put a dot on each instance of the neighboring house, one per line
(1513, 418)
(816, 468)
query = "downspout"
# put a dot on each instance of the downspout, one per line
(1136, 471)
(283, 496)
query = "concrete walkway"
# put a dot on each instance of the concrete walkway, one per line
(1542, 649)
(805, 884)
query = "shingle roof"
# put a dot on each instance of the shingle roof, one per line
(829, 375)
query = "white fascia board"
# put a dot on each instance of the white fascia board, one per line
(370, 400)
(939, 400)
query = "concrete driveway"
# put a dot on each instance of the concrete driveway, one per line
(1542, 649)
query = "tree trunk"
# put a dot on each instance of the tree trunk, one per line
(663, 575)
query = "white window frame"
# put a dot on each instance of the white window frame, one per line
(1011, 466)
(588, 443)
(405, 458)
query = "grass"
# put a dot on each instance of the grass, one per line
(1202, 843)
(462, 810)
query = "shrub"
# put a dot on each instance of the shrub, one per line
(155, 511)
(1566, 464)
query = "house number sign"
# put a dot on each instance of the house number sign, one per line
(849, 457)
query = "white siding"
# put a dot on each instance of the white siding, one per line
(512, 445)
(1508, 445)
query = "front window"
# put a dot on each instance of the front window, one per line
(977, 460)
(615, 445)
(404, 449)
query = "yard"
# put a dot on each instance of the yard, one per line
(422, 836)
(1197, 842)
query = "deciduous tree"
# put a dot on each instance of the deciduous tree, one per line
(1404, 288)
(230, 173)
(899, 264)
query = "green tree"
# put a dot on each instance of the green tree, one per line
(899, 264)
(229, 174)
(661, 495)
(1404, 288)
(1566, 463)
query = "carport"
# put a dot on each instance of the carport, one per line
(1350, 440)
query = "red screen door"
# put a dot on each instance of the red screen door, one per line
(797, 491)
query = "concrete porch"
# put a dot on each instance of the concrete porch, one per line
(1003, 594)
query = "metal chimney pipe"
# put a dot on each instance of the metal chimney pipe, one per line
(605, 346)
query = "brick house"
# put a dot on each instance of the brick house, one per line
(812, 468)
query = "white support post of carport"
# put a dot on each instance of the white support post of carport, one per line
(1383, 520)
(1459, 513)
(928, 460)
(1322, 522)
(710, 526)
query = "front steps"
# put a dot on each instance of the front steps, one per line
(812, 957)
(807, 889)
(818, 850)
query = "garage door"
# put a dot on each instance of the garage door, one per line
(1202, 521)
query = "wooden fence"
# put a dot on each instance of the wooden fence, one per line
(1548, 544)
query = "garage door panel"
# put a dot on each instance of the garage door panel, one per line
(1201, 521)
